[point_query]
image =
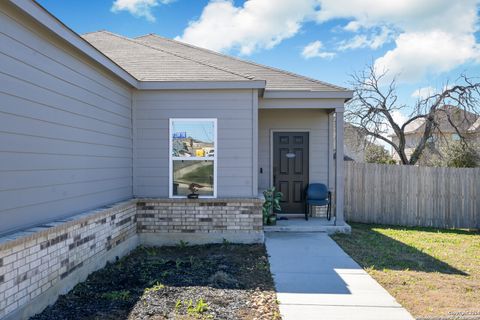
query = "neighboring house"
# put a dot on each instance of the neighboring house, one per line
(466, 122)
(355, 143)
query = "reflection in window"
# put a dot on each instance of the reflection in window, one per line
(193, 138)
(199, 172)
(193, 156)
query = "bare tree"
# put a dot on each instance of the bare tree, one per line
(375, 101)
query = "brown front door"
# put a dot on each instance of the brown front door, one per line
(290, 169)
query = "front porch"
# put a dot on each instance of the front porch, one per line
(290, 164)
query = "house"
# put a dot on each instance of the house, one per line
(102, 136)
(355, 142)
(466, 122)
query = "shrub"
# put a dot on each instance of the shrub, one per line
(378, 154)
(460, 155)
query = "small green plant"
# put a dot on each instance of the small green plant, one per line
(150, 251)
(178, 305)
(225, 242)
(116, 295)
(178, 263)
(262, 265)
(197, 309)
(182, 244)
(271, 204)
(157, 287)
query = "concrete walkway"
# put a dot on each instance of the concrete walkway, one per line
(316, 279)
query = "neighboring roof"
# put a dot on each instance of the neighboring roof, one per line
(414, 126)
(276, 79)
(475, 126)
(465, 121)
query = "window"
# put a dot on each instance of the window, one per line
(193, 157)
(455, 137)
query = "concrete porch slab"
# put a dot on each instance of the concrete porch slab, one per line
(297, 223)
(315, 279)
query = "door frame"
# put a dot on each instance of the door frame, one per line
(272, 131)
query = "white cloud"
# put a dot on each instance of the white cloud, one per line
(432, 36)
(431, 52)
(456, 16)
(314, 50)
(138, 8)
(373, 41)
(423, 93)
(399, 118)
(258, 24)
(429, 37)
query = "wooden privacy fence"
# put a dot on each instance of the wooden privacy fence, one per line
(412, 196)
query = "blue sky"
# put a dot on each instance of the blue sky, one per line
(201, 131)
(426, 42)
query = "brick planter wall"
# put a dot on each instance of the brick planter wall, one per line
(199, 221)
(39, 264)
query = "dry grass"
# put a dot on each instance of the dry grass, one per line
(435, 274)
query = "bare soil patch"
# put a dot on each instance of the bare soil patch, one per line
(223, 281)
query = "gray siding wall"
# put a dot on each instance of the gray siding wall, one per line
(65, 128)
(313, 121)
(234, 111)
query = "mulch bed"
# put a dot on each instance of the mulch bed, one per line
(222, 281)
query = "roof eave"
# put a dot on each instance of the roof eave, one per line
(307, 94)
(45, 18)
(200, 85)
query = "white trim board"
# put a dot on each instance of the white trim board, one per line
(200, 85)
(306, 94)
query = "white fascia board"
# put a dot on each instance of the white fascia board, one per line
(200, 85)
(42, 16)
(307, 94)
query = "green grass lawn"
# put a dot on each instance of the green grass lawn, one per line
(431, 272)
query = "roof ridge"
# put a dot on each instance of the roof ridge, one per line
(173, 54)
(243, 60)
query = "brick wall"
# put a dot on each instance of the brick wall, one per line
(199, 221)
(197, 216)
(40, 260)
(38, 264)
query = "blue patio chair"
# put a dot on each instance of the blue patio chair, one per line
(317, 195)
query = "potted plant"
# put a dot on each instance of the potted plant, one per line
(193, 187)
(271, 204)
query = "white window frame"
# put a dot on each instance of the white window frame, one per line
(172, 158)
